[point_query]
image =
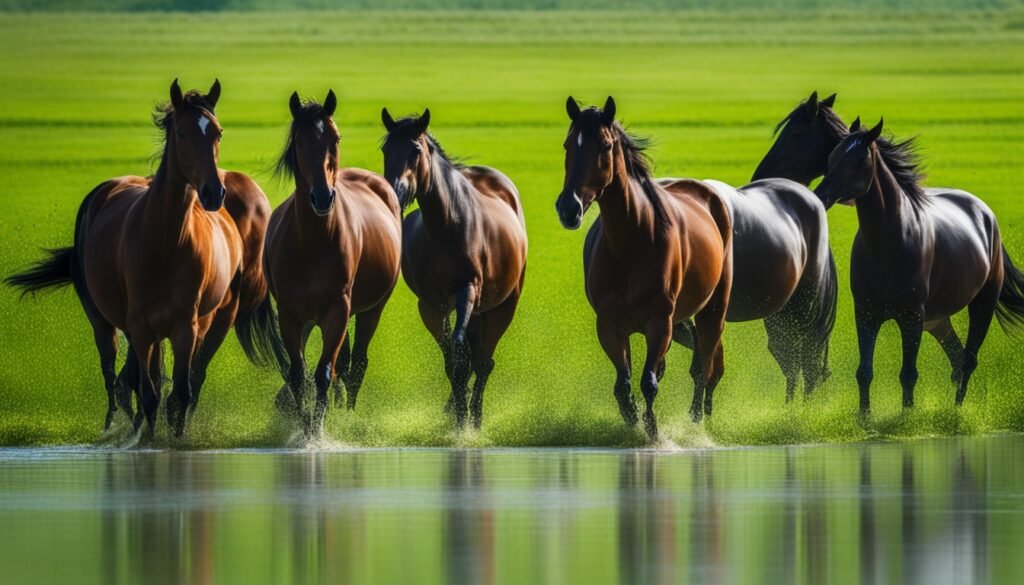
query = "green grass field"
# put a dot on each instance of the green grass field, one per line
(75, 98)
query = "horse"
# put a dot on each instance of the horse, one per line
(657, 255)
(464, 249)
(804, 140)
(333, 251)
(159, 259)
(917, 257)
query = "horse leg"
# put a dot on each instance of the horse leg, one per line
(492, 326)
(293, 335)
(341, 372)
(911, 328)
(148, 392)
(207, 348)
(658, 334)
(867, 335)
(708, 365)
(980, 311)
(461, 369)
(127, 380)
(784, 345)
(616, 347)
(366, 326)
(333, 330)
(183, 344)
(943, 332)
(105, 337)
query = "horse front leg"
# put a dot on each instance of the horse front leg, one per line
(658, 334)
(911, 329)
(333, 330)
(867, 335)
(183, 344)
(465, 298)
(207, 348)
(148, 393)
(616, 347)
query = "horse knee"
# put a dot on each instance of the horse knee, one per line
(865, 374)
(908, 376)
(649, 386)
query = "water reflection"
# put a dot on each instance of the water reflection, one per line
(944, 511)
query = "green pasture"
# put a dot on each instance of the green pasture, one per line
(76, 92)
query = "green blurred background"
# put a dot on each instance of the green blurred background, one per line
(707, 81)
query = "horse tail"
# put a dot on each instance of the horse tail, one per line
(61, 267)
(1010, 309)
(823, 318)
(258, 333)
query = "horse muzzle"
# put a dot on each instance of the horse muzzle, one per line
(401, 188)
(322, 200)
(570, 211)
(212, 196)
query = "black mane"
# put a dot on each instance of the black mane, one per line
(833, 122)
(903, 161)
(634, 149)
(287, 164)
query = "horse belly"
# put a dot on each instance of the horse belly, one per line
(767, 266)
(960, 268)
(378, 268)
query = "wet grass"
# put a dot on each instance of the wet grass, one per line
(707, 86)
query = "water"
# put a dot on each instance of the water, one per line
(926, 511)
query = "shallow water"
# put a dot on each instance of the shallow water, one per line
(927, 511)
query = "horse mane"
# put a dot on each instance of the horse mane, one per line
(447, 174)
(904, 162)
(638, 161)
(833, 122)
(287, 164)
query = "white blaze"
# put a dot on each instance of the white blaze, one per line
(579, 139)
(320, 127)
(203, 123)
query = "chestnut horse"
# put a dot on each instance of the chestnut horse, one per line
(657, 255)
(333, 250)
(805, 139)
(158, 259)
(463, 249)
(918, 257)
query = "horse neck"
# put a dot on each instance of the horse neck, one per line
(170, 201)
(441, 208)
(883, 211)
(626, 214)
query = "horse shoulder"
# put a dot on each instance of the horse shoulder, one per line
(699, 193)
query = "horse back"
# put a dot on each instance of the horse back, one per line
(370, 182)
(491, 183)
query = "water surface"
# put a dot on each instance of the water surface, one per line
(927, 511)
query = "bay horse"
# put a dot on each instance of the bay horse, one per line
(333, 251)
(157, 259)
(657, 255)
(464, 249)
(917, 257)
(804, 140)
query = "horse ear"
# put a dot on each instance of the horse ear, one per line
(827, 102)
(177, 100)
(609, 110)
(572, 108)
(389, 122)
(812, 104)
(214, 94)
(423, 121)
(330, 103)
(856, 125)
(295, 104)
(875, 132)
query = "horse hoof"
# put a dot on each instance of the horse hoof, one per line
(651, 425)
(696, 414)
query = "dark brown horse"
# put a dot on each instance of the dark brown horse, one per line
(804, 140)
(463, 249)
(657, 255)
(918, 257)
(333, 251)
(158, 259)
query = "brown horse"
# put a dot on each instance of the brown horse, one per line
(333, 251)
(918, 257)
(657, 255)
(158, 259)
(463, 249)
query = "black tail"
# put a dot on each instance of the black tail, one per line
(825, 311)
(51, 273)
(258, 333)
(1010, 310)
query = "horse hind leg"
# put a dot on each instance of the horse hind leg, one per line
(911, 327)
(437, 324)
(207, 348)
(366, 327)
(784, 345)
(943, 332)
(980, 311)
(616, 347)
(105, 337)
(342, 369)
